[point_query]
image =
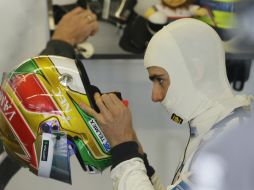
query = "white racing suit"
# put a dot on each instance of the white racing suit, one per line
(227, 148)
(199, 96)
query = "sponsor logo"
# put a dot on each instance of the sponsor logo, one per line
(176, 118)
(6, 107)
(63, 101)
(100, 135)
(19, 128)
(45, 150)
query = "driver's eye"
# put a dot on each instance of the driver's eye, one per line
(160, 81)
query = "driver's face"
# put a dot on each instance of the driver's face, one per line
(161, 82)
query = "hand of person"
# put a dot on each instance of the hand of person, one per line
(76, 26)
(114, 119)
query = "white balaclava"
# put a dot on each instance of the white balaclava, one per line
(192, 54)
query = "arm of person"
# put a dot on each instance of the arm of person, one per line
(60, 48)
(130, 168)
(74, 27)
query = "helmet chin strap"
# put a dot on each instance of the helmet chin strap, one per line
(46, 155)
(54, 150)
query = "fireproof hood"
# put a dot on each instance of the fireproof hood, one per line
(192, 54)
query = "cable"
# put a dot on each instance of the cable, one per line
(184, 157)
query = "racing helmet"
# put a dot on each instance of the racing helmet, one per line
(42, 123)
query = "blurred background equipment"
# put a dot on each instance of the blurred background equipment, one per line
(220, 14)
(240, 47)
(112, 11)
(115, 12)
(244, 36)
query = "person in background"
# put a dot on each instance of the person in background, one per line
(186, 64)
(221, 15)
(74, 27)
